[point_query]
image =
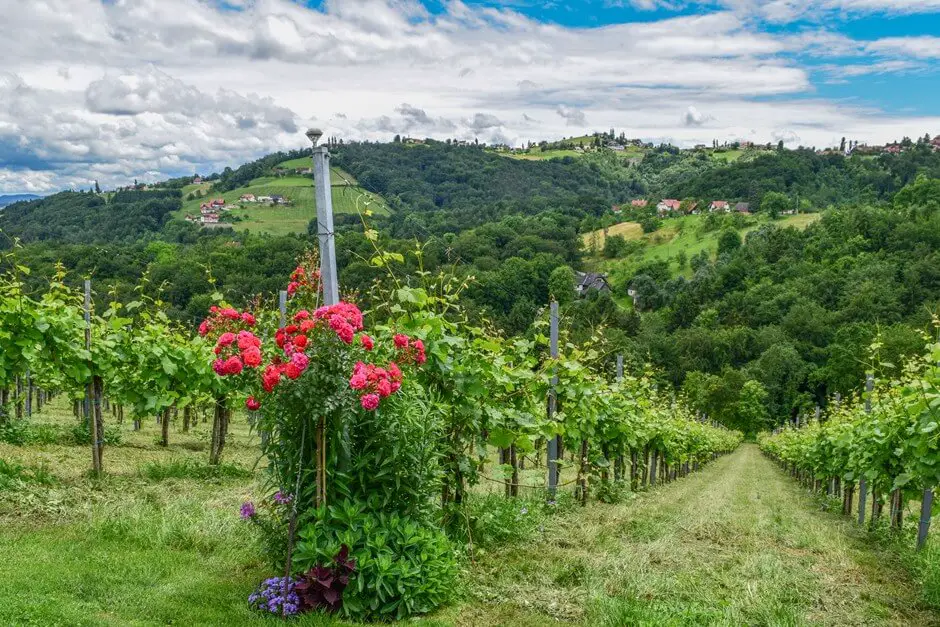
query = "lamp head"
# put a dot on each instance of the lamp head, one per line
(314, 135)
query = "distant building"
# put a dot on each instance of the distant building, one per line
(893, 149)
(248, 198)
(743, 207)
(586, 281)
(197, 180)
(616, 208)
(639, 203)
(617, 148)
(264, 199)
(210, 218)
(668, 204)
(718, 205)
(935, 143)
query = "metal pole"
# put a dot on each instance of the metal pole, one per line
(552, 457)
(926, 508)
(324, 197)
(282, 305)
(619, 367)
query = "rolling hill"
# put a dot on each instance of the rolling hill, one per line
(348, 198)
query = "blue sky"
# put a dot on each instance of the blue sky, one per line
(146, 89)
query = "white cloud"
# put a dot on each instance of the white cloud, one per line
(173, 86)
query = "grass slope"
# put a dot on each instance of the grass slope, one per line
(676, 235)
(348, 197)
(156, 542)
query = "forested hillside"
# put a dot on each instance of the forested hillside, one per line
(85, 217)
(753, 328)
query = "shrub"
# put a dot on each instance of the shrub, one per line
(403, 567)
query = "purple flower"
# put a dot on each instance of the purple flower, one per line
(282, 498)
(248, 510)
(270, 597)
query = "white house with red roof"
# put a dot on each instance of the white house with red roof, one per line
(718, 205)
(668, 205)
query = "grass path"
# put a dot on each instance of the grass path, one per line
(738, 543)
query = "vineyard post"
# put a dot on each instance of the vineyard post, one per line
(862, 482)
(324, 198)
(282, 306)
(552, 453)
(90, 389)
(620, 461)
(926, 508)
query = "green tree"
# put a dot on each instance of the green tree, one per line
(774, 203)
(614, 246)
(561, 284)
(728, 242)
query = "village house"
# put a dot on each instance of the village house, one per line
(718, 205)
(586, 281)
(667, 205)
(197, 180)
(218, 202)
(210, 218)
(743, 207)
(248, 198)
(935, 143)
(893, 149)
(616, 208)
(639, 203)
(264, 199)
(692, 209)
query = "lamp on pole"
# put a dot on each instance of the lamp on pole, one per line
(324, 199)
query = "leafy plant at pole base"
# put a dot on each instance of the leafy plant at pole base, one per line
(271, 599)
(321, 587)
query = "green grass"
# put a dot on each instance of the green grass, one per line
(158, 541)
(678, 235)
(348, 198)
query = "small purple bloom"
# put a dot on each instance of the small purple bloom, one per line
(282, 499)
(248, 510)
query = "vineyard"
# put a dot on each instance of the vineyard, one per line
(371, 442)
(377, 464)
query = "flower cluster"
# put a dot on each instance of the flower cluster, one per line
(235, 352)
(304, 279)
(270, 597)
(344, 318)
(375, 383)
(248, 510)
(410, 351)
(225, 319)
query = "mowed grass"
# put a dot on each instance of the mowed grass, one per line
(595, 240)
(157, 542)
(736, 544)
(348, 198)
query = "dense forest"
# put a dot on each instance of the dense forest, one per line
(765, 327)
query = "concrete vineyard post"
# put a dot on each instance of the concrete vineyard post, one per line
(923, 527)
(282, 306)
(552, 453)
(324, 198)
(862, 482)
(90, 390)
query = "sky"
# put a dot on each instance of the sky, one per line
(117, 90)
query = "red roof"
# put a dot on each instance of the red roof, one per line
(638, 203)
(671, 203)
(719, 204)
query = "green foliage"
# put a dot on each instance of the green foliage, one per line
(561, 284)
(188, 469)
(403, 567)
(79, 435)
(774, 204)
(614, 246)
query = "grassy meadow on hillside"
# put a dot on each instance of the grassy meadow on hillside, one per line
(348, 198)
(676, 236)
